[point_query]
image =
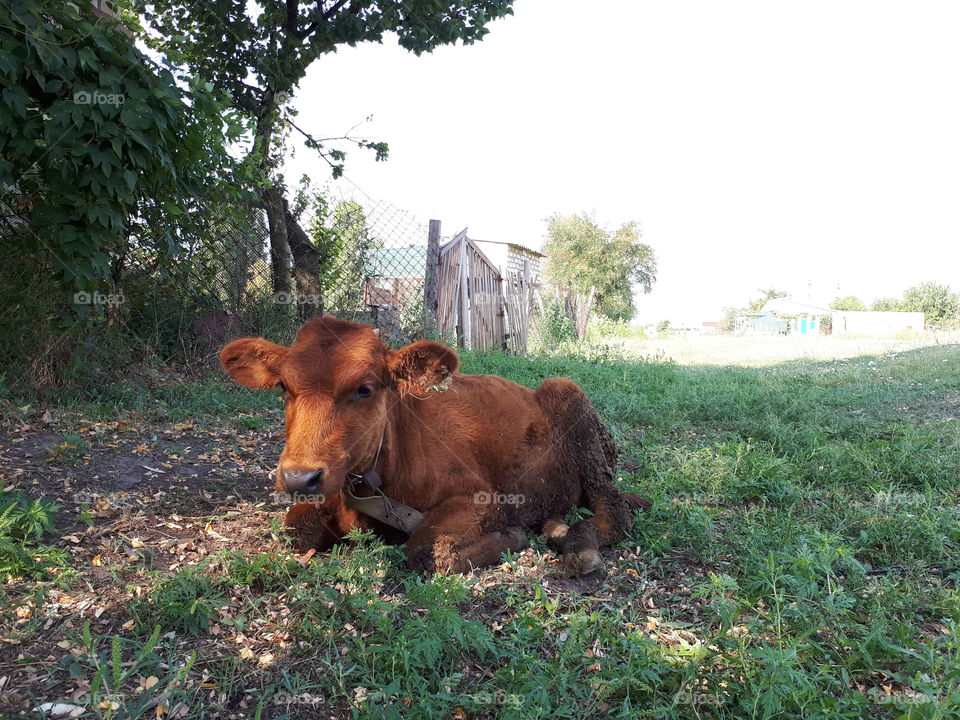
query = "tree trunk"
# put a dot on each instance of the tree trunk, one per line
(273, 203)
(577, 307)
(306, 267)
(272, 196)
(287, 239)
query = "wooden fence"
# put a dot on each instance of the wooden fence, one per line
(518, 298)
(474, 302)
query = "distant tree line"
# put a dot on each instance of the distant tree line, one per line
(938, 303)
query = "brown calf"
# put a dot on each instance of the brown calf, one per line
(482, 458)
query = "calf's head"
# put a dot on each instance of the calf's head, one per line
(340, 385)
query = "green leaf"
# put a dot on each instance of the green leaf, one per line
(136, 116)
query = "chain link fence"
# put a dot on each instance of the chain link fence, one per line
(370, 268)
(179, 308)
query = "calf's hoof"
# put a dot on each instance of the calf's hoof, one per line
(516, 539)
(582, 562)
(555, 533)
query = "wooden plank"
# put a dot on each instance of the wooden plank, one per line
(464, 340)
(448, 295)
(518, 299)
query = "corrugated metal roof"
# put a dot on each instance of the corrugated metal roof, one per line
(785, 306)
(512, 244)
(401, 262)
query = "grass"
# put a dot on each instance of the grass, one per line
(799, 561)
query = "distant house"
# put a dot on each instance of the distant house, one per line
(394, 276)
(760, 323)
(804, 319)
(858, 322)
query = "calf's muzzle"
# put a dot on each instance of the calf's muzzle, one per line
(298, 480)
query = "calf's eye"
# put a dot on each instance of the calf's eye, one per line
(364, 391)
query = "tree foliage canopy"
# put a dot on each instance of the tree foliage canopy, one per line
(97, 142)
(582, 256)
(848, 302)
(259, 50)
(937, 302)
(770, 293)
(886, 304)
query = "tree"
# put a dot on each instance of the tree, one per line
(343, 242)
(886, 305)
(103, 154)
(766, 295)
(588, 265)
(100, 147)
(849, 302)
(259, 51)
(356, 246)
(938, 303)
(728, 325)
(729, 322)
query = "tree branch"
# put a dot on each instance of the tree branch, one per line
(328, 14)
(293, 17)
(250, 87)
(316, 143)
(333, 9)
(292, 14)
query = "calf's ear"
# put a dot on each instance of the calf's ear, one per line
(254, 362)
(422, 365)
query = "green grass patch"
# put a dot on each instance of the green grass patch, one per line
(800, 560)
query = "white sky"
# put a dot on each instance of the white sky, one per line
(757, 143)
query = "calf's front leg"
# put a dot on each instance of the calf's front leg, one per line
(459, 535)
(319, 526)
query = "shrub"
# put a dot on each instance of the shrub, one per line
(23, 523)
(550, 326)
(185, 601)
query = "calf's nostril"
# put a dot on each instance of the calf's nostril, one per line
(314, 483)
(302, 480)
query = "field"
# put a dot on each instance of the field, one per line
(799, 560)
